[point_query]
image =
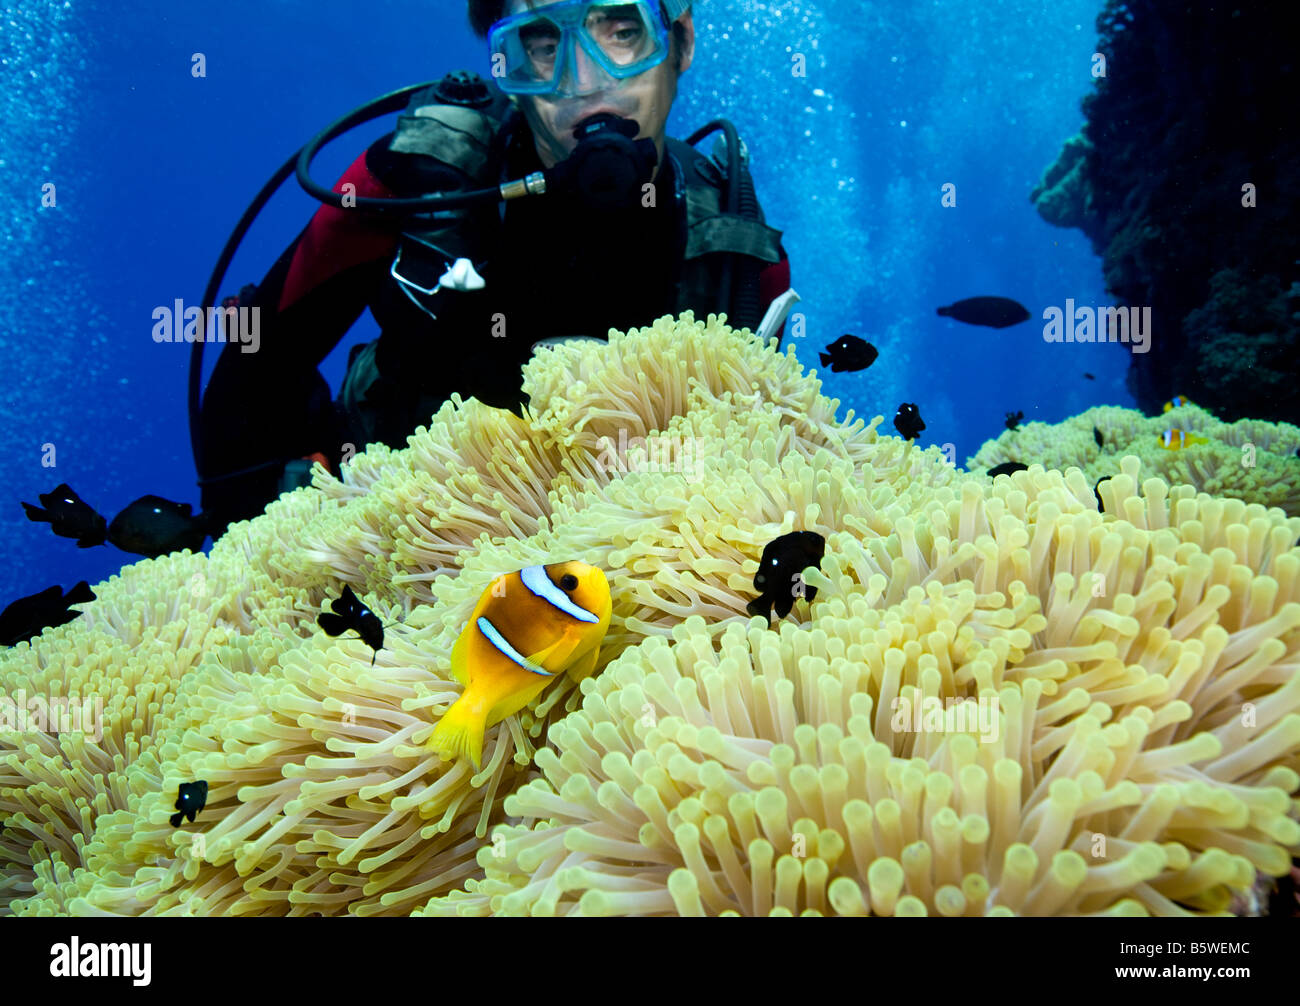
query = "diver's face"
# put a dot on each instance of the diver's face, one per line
(645, 98)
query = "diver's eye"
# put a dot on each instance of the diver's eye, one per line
(542, 52)
(568, 581)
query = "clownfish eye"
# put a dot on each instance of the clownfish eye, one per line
(568, 581)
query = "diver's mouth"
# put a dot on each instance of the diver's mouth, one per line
(591, 113)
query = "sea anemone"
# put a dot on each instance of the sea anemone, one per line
(1250, 459)
(1138, 759)
(1137, 668)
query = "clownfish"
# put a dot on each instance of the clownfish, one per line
(1176, 439)
(1177, 402)
(527, 627)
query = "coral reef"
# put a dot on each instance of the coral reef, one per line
(1062, 196)
(1194, 108)
(1138, 752)
(1249, 460)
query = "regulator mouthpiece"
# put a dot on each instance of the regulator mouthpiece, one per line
(608, 167)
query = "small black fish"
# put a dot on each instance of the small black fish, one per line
(350, 613)
(1096, 435)
(1089, 376)
(778, 581)
(1096, 492)
(69, 516)
(1007, 467)
(1013, 419)
(991, 312)
(849, 353)
(908, 421)
(191, 799)
(29, 616)
(153, 526)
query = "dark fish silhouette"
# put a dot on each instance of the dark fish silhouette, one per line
(992, 312)
(350, 613)
(777, 580)
(908, 421)
(849, 353)
(69, 516)
(1007, 467)
(29, 616)
(1284, 902)
(1013, 419)
(1096, 435)
(191, 799)
(1089, 376)
(153, 526)
(1096, 492)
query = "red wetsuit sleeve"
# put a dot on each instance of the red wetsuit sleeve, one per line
(337, 239)
(773, 281)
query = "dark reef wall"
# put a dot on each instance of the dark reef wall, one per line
(1199, 99)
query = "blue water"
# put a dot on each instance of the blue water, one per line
(151, 167)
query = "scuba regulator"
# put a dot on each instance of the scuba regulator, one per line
(606, 170)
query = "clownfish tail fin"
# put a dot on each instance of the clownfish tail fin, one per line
(459, 734)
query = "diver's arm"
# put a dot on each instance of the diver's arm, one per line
(269, 406)
(263, 409)
(773, 281)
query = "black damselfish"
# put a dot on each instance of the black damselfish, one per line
(350, 613)
(1096, 491)
(154, 526)
(991, 312)
(1013, 419)
(69, 516)
(1007, 467)
(191, 799)
(1091, 377)
(31, 615)
(849, 353)
(1096, 435)
(908, 421)
(778, 580)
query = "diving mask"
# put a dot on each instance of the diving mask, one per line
(536, 51)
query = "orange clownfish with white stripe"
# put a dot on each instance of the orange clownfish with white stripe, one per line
(1177, 402)
(527, 627)
(1176, 439)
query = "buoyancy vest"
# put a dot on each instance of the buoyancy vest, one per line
(467, 139)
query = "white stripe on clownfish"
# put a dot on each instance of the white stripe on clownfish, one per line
(509, 652)
(536, 580)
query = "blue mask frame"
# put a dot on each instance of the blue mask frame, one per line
(570, 16)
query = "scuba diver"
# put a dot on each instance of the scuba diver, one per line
(632, 225)
(496, 216)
